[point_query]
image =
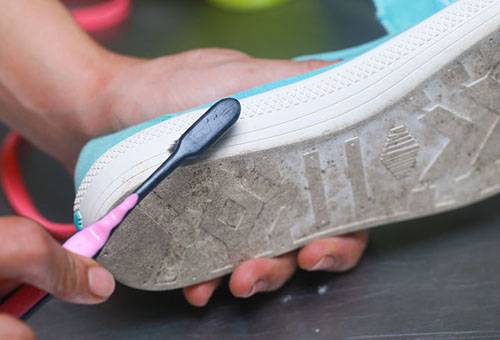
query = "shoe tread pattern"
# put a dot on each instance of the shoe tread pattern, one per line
(436, 149)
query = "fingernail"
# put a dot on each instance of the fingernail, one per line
(259, 286)
(326, 262)
(101, 282)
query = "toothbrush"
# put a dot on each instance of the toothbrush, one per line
(195, 141)
(204, 133)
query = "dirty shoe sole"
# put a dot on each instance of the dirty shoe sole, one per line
(409, 129)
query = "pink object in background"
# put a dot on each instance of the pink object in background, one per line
(102, 16)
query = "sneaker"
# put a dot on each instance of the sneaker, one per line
(406, 126)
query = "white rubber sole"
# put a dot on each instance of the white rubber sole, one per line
(408, 129)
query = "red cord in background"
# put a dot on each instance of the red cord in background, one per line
(16, 193)
(93, 18)
(22, 301)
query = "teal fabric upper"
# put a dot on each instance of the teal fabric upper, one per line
(395, 15)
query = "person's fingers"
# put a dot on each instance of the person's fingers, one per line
(333, 254)
(255, 69)
(199, 295)
(30, 255)
(210, 55)
(12, 328)
(262, 275)
(209, 74)
(270, 70)
(254, 72)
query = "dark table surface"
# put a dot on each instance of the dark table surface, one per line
(433, 278)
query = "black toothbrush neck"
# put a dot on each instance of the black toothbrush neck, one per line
(195, 141)
(172, 162)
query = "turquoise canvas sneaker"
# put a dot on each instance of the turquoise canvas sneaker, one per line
(405, 126)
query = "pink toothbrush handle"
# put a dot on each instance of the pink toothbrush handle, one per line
(89, 241)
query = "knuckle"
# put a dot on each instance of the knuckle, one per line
(310, 65)
(220, 53)
(350, 260)
(66, 284)
(39, 245)
(24, 226)
(228, 53)
(252, 68)
(33, 241)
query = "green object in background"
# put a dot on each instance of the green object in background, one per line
(244, 5)
(294, 28)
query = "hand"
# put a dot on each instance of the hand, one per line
(144, 89)
(133, 90)
(30, 255)
(59, 88)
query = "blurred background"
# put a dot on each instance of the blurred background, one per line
(294, 28)
(434, 278)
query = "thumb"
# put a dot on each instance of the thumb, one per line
(78, 279)
(32, 256)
